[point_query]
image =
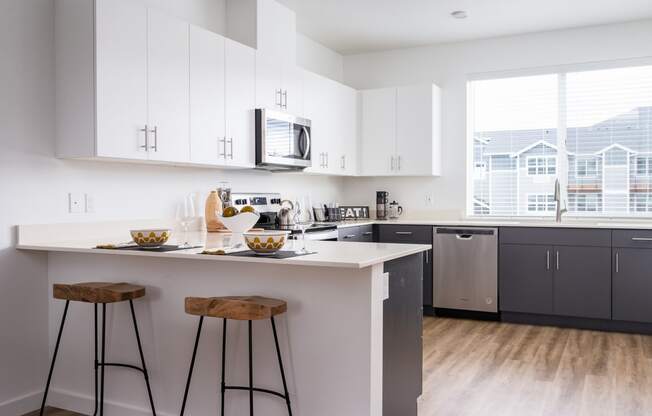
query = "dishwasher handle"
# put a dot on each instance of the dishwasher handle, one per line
(464, 237)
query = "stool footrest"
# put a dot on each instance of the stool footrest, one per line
(133, 367)
(275, 393)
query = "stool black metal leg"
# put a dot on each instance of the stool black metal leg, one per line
(192, 365)
(95, 363)
(280, 363)
(102, 359)
(251, 375)
(54, 358)
(142, 358)
(223, 384)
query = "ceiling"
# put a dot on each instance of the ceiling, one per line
(354, 26)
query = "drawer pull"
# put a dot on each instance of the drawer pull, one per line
(349, 236)
(641, 238)
(368, 233)
(403, 232)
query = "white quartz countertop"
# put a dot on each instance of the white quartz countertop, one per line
(84, 237)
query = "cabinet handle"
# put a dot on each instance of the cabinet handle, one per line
(146, 145)
(343, 160)
(368, 233)
(230, 148)
(223, 142)
(349, 236)
(403, 232)
(326, 158)
(278, 98)
(427, 257)
(547, 259)
(285, 103)
(617, 263)
(392, 164)
(557, 259)
(399, 162)
(155, 131)
(641, 239)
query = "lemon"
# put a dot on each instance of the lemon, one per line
(230, 211)
(248, 208)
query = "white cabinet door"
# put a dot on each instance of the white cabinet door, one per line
(348, 122)
(240, 104)
(276, 31)
(269, 75)
(207, 97)
(315, 109)
(168, 89)
(378, 149)
(121, 79)
(417, 124)
(293, 95)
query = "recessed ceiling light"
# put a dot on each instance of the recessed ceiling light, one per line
(459, 14)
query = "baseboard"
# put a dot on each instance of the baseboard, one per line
(84, 404)
(578, 323)
(21, 405)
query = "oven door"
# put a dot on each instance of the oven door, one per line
(282, 140)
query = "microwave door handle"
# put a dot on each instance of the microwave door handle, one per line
(307, 151)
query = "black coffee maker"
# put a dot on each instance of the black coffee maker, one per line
(382, 206)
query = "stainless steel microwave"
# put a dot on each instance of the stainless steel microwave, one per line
(282, 141)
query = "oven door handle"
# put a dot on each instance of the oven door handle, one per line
(307, 151)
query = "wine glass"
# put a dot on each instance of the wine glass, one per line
(303, 218)
(186, 214)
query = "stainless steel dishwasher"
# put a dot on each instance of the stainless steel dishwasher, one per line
(465, 262)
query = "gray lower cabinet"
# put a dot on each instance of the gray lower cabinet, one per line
(525, 279)
(362, 233)
(582, 282)
(402, 337)
(412, 234)
(570, 281)
(632, 284)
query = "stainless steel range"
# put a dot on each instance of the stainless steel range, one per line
(268, 206)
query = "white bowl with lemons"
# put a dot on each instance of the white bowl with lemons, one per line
(239, 222)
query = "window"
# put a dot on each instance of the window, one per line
(541, 203)
(644, 166)
(541, 165)
(590, 129)
(584, 202)
(586, 168)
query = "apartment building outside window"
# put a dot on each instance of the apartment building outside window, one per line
(590, 129)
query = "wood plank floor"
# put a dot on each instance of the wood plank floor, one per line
(475, 368)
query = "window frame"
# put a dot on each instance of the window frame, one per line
(548, 199)
(546, 165)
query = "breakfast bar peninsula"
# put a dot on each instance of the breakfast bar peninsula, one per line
(350, 340)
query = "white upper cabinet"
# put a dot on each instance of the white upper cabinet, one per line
(332, 110)
(207, 97)
(418, 130)
(168, 89)
(401, 131)
(121, 81)
(378, 147)
(240, 103)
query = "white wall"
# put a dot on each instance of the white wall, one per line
(448, 65)
(317, 58)
(34, 185)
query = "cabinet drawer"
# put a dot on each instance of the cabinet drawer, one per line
(555, 236)
(410, 234)
(366, 233)
(632, 238)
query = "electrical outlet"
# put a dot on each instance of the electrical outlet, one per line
(429, 200)
(90, 203)
(76, 203)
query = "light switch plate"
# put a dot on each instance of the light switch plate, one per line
(76, 203)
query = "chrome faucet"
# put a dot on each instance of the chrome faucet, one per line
(560, 210)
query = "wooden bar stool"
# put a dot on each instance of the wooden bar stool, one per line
(100, 293)
(240, 308)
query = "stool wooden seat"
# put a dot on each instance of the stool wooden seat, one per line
(98, 292)
(241, 308)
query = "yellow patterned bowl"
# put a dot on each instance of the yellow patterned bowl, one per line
(266, 242)
(151, 238)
